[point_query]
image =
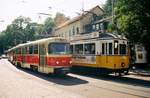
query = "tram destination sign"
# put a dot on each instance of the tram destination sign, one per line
(85, 36)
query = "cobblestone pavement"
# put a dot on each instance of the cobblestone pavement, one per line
(23, 83)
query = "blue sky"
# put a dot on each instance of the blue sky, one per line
(11, 9)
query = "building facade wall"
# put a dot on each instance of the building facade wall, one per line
(78, 26)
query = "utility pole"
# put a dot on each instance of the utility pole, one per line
(112, 3)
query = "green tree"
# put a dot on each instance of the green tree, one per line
(15, 33)
(49, 25)
(133, 18)
(108, 7)
(2, 42)
(22, 30)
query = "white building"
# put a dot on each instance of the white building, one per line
(87, 22)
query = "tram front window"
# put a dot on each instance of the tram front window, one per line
(122, 49)
(58, 48)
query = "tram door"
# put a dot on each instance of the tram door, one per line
(23, 55)
(104, 53)
(42, 53)
(107, 51)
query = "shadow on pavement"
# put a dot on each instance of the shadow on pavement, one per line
(123, 79)
(62, 80)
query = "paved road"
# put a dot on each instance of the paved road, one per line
(23, 83)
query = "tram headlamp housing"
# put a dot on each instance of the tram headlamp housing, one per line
(57, 62)
(122, 64)
(70, 62)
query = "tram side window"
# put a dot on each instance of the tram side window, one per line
(79, 49)
(18, 51)
(27, 50)
(89, 48)
(106, 48)
(23, 50)
(116, 47)
(122, 49)
(30, 49)
(103, 48)
(35, 49)
(71, 49)
(110, 48)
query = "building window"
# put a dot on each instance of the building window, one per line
(70, 34)
(73, 30)
(77, 30)
(93, 27)
(62, 35)
(88, 28)
(97, 26)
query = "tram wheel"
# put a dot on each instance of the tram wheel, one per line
(118, 74)
(126, 72)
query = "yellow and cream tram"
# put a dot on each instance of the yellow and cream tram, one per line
(106, 52)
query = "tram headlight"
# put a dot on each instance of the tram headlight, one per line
(122, 64)
(57, 62)
(70, 62)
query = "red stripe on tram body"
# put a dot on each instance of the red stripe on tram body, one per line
(18, 58)
(32, 59)
(58, 61)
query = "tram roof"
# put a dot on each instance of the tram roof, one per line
(43, 40)
(97, 35)
(35, 42)
(110, 36)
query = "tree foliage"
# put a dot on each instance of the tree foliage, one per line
(21, 30)
(132, 18)
(49, 25)
(108, 7)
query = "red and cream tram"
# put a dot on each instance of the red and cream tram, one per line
(50, 55)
